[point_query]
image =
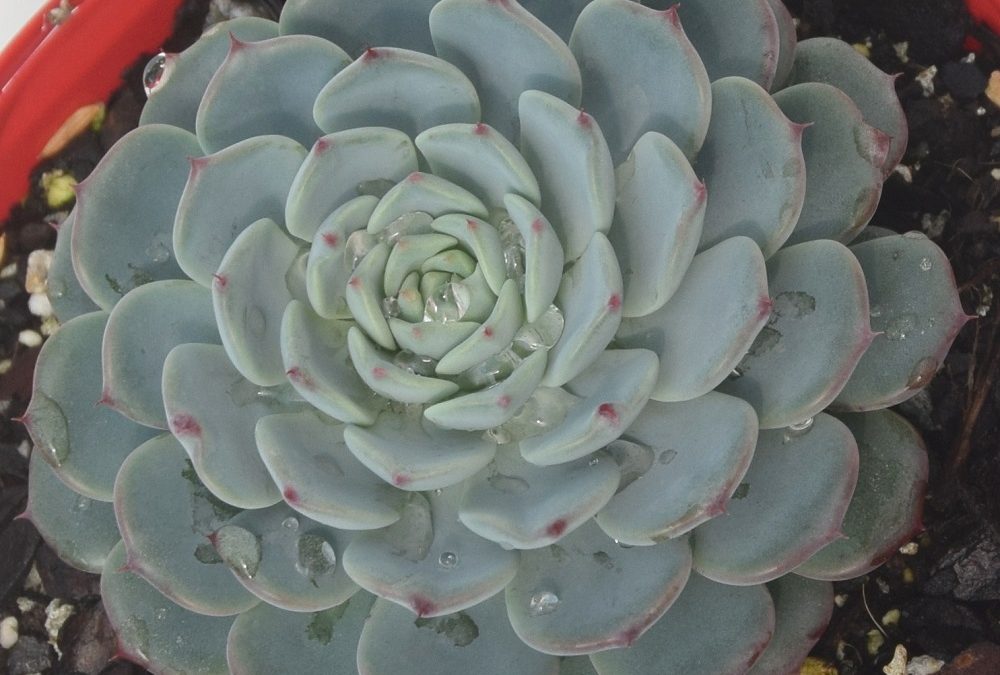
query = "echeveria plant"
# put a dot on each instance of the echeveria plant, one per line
(482, 337)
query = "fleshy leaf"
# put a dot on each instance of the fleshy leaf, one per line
(711, 629)
(614, 389)
(295, 563)
(67, 297)
(802, 479)
(916, 309)
(787, 41)
(388, 87)
(492, 338)
(815, 336)
(141, 330)
(409, 253)
(843, 162)
(311, 642)
(570, 158)
(212, 410)
(522, 54)
(113, 251)
(428, 561)
(250, 296)
(386, 378)
(176, 97)
(886, 508)
(319, 476)
(477, 640)
(698, 451)
(479, 159)
(520, 505)
(640, 74)
(328, 267)
(543, 255)
(315, 355)
(698, 349)
(835, 62)
(586, 594)
(260, 170)
(156, 633)
(337, 167)
(355, 26)
(251, 94)
(166, 524)
(81, 530)
(479, 238)
(802, 609)
(414, 454)
(658, 220)
(753, 165)
(590, 297)
(85, 443)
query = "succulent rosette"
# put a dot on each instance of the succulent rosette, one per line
(476, 336)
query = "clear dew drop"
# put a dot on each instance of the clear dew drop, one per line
(156, 72)
(798, 429)
(509, 484)
(81, 504)
(376, 187)
(666, 456)
(546, 408)
(239, 548)
(513, 247)
(415, 363)
(922, 372)
(541, 334)
(390, 307)
(543, 602)
(926, 264)
(449, 302)
(316, 556)
(898, 328)
(413, 222)
(448, 560)
(48, 428)
(158, 250)
(359, 243)
(410, 537)
(290, 523)
(487, 373)
(634, 460)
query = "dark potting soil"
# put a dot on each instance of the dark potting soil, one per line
(940, 599)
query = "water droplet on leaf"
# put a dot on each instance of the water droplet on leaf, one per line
(156, 72)
(798, 429)
(449, 302)
(48, 429)
(291, 522)
(359, 243)
(239, 548)
(926, 264)
(922, 372)
(634, 460)
(415, 363)
(316, 556)
(543, 602)
(448, 560)
(509, 484)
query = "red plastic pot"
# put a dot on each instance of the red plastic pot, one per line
(48, 72)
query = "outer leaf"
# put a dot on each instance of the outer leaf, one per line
(338, 166)
(479, 159)
(586, 594)
(176, 97)
(804, 482)
(475, 640)
(520, 505)
(320, 477)
(698, 349)
(414, 454)
(81, 530)
(699, 451)
(543, 256)
(712, 629)
(836, 62)
(86, 444)
(259, 171)
(250, 295)
(287, 560)
(843, 162)
(886, 507)
(212, 411)
(312, 643)
(658, 219)
(570, 158)
(141, 330)
(165, 524)
(786, 43)
(144, 172)
(817, 332)
(560, 17)
(428, 561)
(396, 88)
(753, 165)
(802, 609)
(67, 297)
(916, 308)
(355, 26)
(252, 95)
(523, 54)
(641, 74)
(156, 633)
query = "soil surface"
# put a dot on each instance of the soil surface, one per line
(938, 598)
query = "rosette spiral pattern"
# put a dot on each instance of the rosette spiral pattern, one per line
(476, 336)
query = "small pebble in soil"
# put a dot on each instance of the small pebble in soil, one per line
(37, 275)
(910, 548)
(874, 641)
(56, 614)
(29, 338)
(8, 632)
(39, 305)
(925, 78)
(29, 655)
(924, 665)
(891, 618)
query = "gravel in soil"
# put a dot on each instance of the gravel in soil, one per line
(938, 597)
